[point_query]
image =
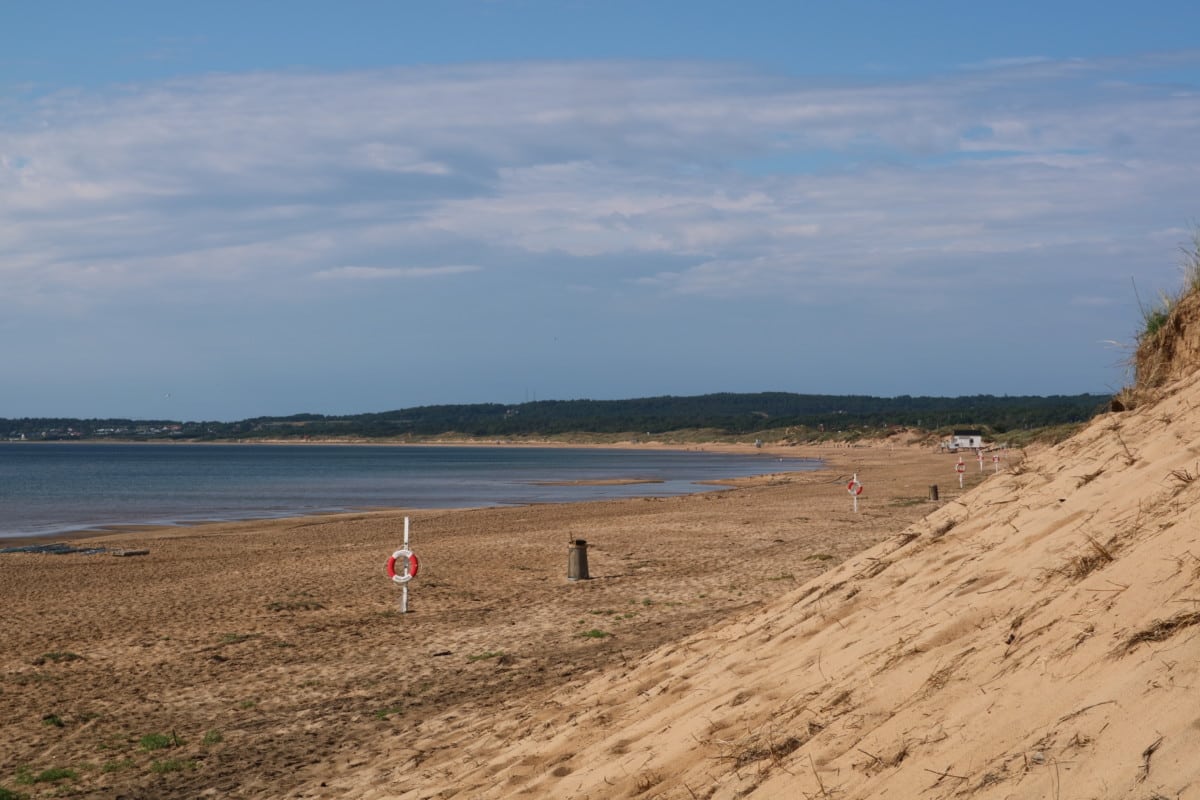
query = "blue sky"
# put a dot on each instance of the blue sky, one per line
(220, 210)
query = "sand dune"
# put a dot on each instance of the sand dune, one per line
(1034, 638)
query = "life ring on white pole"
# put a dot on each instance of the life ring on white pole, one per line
(410, 569)
(854, 487)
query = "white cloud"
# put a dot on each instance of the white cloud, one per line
(253, 178)
(388, 273)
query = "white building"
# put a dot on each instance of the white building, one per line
(966, 440)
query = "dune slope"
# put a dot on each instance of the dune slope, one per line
(1036, 638)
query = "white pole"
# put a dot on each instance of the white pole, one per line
(856, 493)
(404, 587)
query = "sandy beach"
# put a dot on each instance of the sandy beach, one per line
(269, 659)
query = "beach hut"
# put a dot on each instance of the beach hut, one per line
(966, 440)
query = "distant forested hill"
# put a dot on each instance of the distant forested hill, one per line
(725, 413)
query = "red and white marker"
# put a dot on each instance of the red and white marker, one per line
(409, 565)
(960, 468)
(855, 488)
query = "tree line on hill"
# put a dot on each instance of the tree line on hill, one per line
(800, 415)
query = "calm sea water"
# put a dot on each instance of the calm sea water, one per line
(56, 488)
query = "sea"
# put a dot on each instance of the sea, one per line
(56, 488)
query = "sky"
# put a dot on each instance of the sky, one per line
(220, 210)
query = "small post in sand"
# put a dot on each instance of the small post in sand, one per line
(933, 492)
(404, 586)
(577, 566)
(960, 468)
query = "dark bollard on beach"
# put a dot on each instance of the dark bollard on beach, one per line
(577, 568)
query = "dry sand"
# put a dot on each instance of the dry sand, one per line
(1034, 638)
(268, 659)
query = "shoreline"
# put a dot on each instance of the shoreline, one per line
(766, 448)
(111, 529)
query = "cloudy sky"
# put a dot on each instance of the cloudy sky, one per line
(219, 210)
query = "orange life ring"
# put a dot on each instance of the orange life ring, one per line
(412, 565)
(854, 487)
